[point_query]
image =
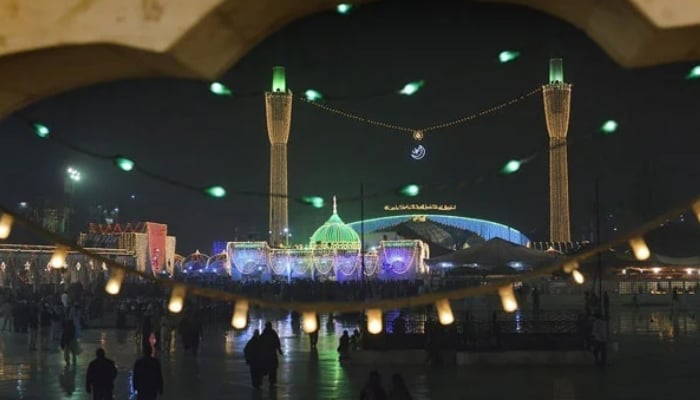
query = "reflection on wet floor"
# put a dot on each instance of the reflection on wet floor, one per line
(219, 371)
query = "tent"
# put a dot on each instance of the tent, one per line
(496, 256)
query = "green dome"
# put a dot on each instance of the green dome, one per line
(335, 234)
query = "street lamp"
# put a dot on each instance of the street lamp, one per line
(73, 174)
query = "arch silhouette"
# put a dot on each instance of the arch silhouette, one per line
(58, 45)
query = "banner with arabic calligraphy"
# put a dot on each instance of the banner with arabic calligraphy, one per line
(420, 207)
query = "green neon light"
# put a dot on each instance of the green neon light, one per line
(507, 56)
(511, 167)
(610, 126)
(279, 82)
(556, 70)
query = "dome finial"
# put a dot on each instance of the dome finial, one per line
(335, 206)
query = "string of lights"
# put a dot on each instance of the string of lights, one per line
(372, 308)
(418, 132)
(128, 165)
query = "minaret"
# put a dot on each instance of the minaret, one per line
(278, 109)
(557, 105)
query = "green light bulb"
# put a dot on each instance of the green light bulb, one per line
(507, 55)
(124, 163)
(411, 88)
(314, 201)
(219, 89)
(511, 167)
(41, 130)
(694, 73)
(610, 126)
(410, 190)
(343, 8)
(313, 95)
(215, 191)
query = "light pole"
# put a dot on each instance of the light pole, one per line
(72, 176)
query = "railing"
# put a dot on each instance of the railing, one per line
(518, 331)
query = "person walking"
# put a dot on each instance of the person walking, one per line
(100, 376)
(270, 346)
(253, 359)
(398, 390)
(373, 389)
(147, 378)
(344, 346)
(600, 340)
(69, 343)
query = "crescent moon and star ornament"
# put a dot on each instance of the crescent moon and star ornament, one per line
(418, 152)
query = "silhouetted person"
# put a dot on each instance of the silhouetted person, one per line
(344, 346)
(373, 389)
(600, 340)
(535, 300)
(398, 390)
(270, 347)
(399, 325)
(355, 340)
(253, 358)
(606, 305)
(100, 377)
(147, 379)
(69, 342)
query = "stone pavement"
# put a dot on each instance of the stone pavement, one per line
(651, 365)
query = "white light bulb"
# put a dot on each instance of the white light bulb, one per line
(578, 276)
(640, 249)
(58, 259)
(508, 300)
(374, 321)
(240, 315)
(444, 312)
(5, 225)
(177, 299)
(114, 283)
(309, 322)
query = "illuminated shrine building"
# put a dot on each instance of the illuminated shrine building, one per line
(333, 254)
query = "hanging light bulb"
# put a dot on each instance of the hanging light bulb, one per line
(5, 225)
(508, 300)
(58, 259)
(640, 249)
(696, 209)
(570, 266)
(114, 283)
(240, 315)
(444, 312)
(177, 299)
(309, 322)
(374, 321)
(578, 276)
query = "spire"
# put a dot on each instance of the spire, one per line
(335, 206)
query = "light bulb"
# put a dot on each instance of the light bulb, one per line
(374, 321)
(5, 225)
(114, 284)
(570, 266)
(696, 209)
(640, 248)
(240, 315)
(309, 322)
(578, 276)
(508, 300)
(444, 312)
(177, 299)
(58, 259)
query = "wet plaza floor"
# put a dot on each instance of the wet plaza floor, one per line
(657, 360)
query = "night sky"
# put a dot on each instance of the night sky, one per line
(177, 128)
